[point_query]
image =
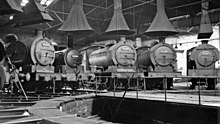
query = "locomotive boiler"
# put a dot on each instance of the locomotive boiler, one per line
(121, 54)
(157, 61)
(201, 62)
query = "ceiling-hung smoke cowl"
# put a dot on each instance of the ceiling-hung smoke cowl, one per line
(118, 25)
(76, 21)
(34, 13)
(9, 7)
(205, 29)
(161, 26)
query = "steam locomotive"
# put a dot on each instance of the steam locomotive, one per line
(158, 62)
(67, 63)
(112, 65)
(201, 62)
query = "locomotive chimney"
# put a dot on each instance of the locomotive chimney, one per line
(76, 23)
(205, 29)
(122, 38)
(161, 26)
(118, 25)
(205, 41)
(138, 42)
(39, 33)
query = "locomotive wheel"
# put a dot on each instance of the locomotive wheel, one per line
(110, 84)
(194, 83)
(169, 83)
(58, 86)
(158, 83)
(211, 84)
(73, 85)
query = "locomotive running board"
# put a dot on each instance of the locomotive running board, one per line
(126, 75)
(204, 72)
(164, 74)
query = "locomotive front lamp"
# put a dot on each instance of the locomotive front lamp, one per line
(20, 69)
(28, 77)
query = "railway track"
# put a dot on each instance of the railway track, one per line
(11, 114)
(16, 107)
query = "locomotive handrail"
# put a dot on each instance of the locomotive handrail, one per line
(47, 50)
(88, 47)
(179, 51)
(166, 58)
(166, 52)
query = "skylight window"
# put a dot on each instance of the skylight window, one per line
(24, 2)
(43, 2)
(46, 2)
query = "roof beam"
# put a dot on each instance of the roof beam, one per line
(189, 4)
(143, 2)
(53, 3)
(58, 12)
(195, 20)
(86, 4)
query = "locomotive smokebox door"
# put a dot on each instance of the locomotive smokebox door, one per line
(44, 52)
(17, 52)
(205, 58)
(125, 56)
(72, 58)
